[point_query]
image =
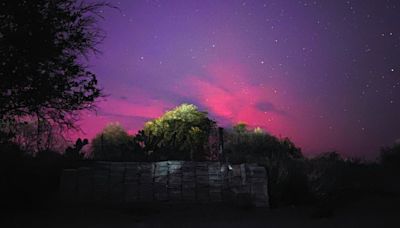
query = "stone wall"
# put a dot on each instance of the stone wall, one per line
(168, 181)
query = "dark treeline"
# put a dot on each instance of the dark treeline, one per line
(326, 182)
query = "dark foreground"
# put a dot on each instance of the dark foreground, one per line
(372, 212)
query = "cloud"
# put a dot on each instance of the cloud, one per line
(226, 92)
(231, 97)
(131, 110)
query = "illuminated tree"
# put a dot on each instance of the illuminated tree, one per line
(181, 133)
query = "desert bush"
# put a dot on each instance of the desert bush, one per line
(390, 161)
(390, 156)
(283, 161)
(113, 143)
(335, 181)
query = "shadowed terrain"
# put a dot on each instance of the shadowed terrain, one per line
(372, 212)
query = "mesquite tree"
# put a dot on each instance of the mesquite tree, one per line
(43, 50)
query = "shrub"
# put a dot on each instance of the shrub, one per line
(115, 144)
(335, 181)
(283, 161)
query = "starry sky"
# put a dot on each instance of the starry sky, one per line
(325, 73)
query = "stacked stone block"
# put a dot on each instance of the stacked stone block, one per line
(116, 182)
(161, 181)
(215, 181)
(173, 181)
(202, 192)
(189, 181)
(131, 182)
(101, 176)
(258, 185)
(146, 173)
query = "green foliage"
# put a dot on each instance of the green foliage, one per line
(181, 133)
(240, 128)
(115, 144)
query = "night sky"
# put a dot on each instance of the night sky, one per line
(325, 73)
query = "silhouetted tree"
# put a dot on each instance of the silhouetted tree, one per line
(390, 161)
(390, 156)
(281, 158)
(42, 72)
(31, 139)
(113, 143)
(75, 153)
(243, 144)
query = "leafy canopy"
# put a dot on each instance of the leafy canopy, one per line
(181, 133)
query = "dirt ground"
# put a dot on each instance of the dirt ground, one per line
(372, 212)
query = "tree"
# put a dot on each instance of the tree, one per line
(42, 71)
(113, 143)
(240, 128)
(30, 139)
(281, 158)
(245, 145)
(75, 153)
(181, 133)
(390, 156)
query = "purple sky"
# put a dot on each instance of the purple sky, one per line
(324, 73)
